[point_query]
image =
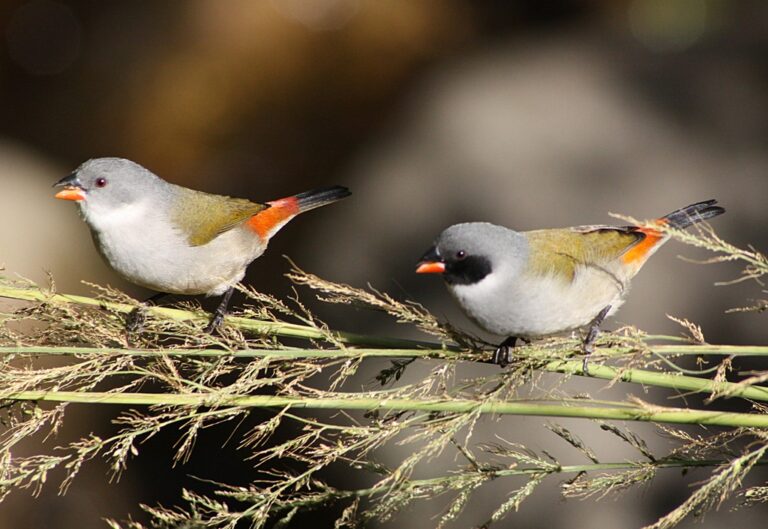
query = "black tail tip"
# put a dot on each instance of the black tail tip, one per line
(698, 212)
(339, 191)
(707, 209)
(321, 196)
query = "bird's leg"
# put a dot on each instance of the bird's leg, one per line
(220, 312)
(501, 354)
(134, 320)
(588, 346)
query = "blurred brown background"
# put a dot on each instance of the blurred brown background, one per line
(527, 114)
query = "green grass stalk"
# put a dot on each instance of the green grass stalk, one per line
(656, 414)
(272, 328)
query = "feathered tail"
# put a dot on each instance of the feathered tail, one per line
(320, 197)
(267, 222)
(684, 217)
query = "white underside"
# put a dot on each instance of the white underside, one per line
(531, 306)
(140, 243)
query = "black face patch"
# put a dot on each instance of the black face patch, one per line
(466, 270)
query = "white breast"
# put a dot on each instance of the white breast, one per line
(533, 306)
(142, 245)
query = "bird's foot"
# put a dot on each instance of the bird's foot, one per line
(135, 320)
(501, 356)
(220, 312)
(216, 320)
(588, 345)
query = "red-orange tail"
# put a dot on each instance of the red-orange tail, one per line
(267, 222)
(679, 219)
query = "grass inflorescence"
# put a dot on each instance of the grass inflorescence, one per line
(276, 355)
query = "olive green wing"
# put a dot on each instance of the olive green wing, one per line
(202, 217)
(559, 252)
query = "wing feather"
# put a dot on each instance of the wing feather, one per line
(203, 216)
(561, 252)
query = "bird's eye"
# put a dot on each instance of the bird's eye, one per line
(101, 182)
(461, 254)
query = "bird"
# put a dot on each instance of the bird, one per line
(533, 284)
(176, 240)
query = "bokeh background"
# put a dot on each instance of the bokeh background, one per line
(527, 114)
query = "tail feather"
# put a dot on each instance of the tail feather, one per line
(267, 222)
(320, 197)
(698, 212)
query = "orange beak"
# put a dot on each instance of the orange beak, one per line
(431, 263)
(71, 193)
(430, 267)
(72, 189)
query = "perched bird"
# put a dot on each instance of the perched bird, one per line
(176, 240)
(539, 283)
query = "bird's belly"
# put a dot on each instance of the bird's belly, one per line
(167, 263)
(540, 305)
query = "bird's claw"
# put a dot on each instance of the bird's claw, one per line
(214, 324)
(221, 310)
(588, 345)
(135, 320)
(501, 356)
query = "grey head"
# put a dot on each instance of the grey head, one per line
(467, 253)
(109, 183)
